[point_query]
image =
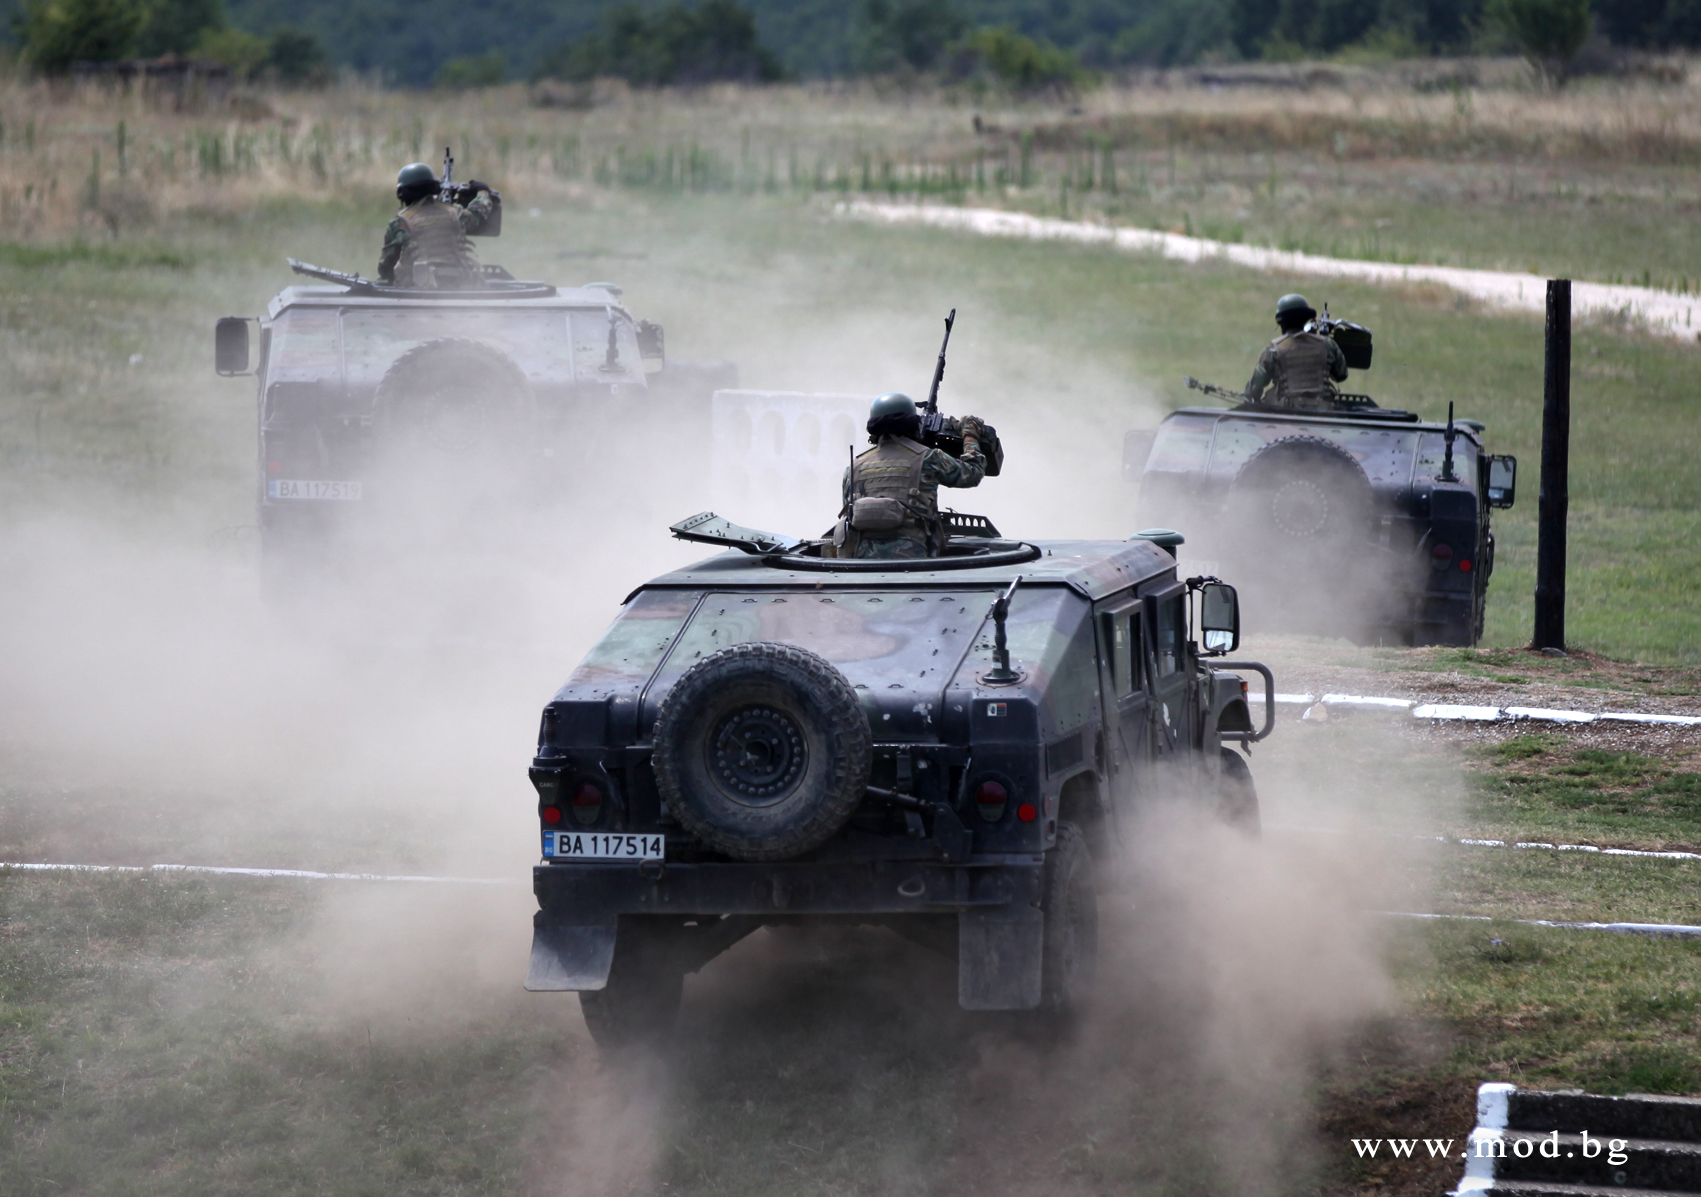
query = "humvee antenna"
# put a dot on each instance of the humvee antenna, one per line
(1447, 474)
(932, 404)
(1001, 674)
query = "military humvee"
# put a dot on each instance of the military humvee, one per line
(373, 399)
(1363, 521)
(945, 747)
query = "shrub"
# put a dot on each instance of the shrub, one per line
(897, 35)
(56, 33)
(489, 69)
(1018, 62)
(1551, 33)
(715, 41)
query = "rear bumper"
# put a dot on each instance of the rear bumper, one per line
(996, 901)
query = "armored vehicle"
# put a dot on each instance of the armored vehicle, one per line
(948, 747)
(378, 400)
(1359, 521)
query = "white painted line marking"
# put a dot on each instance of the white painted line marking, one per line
(1448, 711)
(1660, 930)
(1665, 312)
(1549, 715)
(236, 872)
(1481, 714)
(1359, 700)
(1478, 843)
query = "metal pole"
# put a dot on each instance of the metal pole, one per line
(1556, 464)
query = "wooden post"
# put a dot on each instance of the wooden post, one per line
(1556, 464)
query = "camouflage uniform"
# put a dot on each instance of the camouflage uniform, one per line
(1301, 366)
(426, 244)
(885, 471)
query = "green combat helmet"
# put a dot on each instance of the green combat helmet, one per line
(1295, 304)
(414, 180)
(892, 403)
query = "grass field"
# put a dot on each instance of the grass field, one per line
(183, 1035)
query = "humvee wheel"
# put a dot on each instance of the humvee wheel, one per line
(1069, 962)
(762, 751)
(1237, 798)
(640, 1003)
(1301, 490)
(450, 395)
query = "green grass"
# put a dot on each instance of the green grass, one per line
(151, 1041)
(1545, 788)
(1553, 1008)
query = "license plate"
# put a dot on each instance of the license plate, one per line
(584, 845)
(281, 488)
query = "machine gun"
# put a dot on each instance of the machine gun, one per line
(462, 194)
(1211, 388)
(945, 433)
(1354, 339)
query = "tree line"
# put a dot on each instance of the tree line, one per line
(1022, 44)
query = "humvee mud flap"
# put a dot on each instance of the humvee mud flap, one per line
(567, 959)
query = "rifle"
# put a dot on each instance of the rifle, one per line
(352, 281)
(939, 431)
(1212, 389)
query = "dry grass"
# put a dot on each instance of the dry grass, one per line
(89, 160)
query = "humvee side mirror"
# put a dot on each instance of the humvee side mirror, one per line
(230, 346)
(652, 347)
(1219, 617)
(1502, 480)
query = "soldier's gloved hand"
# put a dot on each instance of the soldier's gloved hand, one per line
(474, 186)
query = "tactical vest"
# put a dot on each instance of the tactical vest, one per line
(1301, 367)
(437, 250)
(892, 470)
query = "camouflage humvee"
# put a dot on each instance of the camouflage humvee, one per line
(944, 747)
(1362, 522)
(377, 401)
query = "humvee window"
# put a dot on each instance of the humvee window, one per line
(1432, 449)
(1182, 444)
(1169, 637)
(1136, 653)
(1121, 663)
(591, 356)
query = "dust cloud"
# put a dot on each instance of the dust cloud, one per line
(168, 702)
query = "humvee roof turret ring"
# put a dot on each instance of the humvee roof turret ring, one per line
(983, 555)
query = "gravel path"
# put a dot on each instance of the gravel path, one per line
(1662, 312)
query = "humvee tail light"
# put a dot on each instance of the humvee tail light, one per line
(587, 803)
(1027, 812)
(552, 814)
(990, 800)
(1441, 556)
(1465, 565)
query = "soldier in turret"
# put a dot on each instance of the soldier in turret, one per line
(426, 244)
(1301, 366)
(891, 492)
